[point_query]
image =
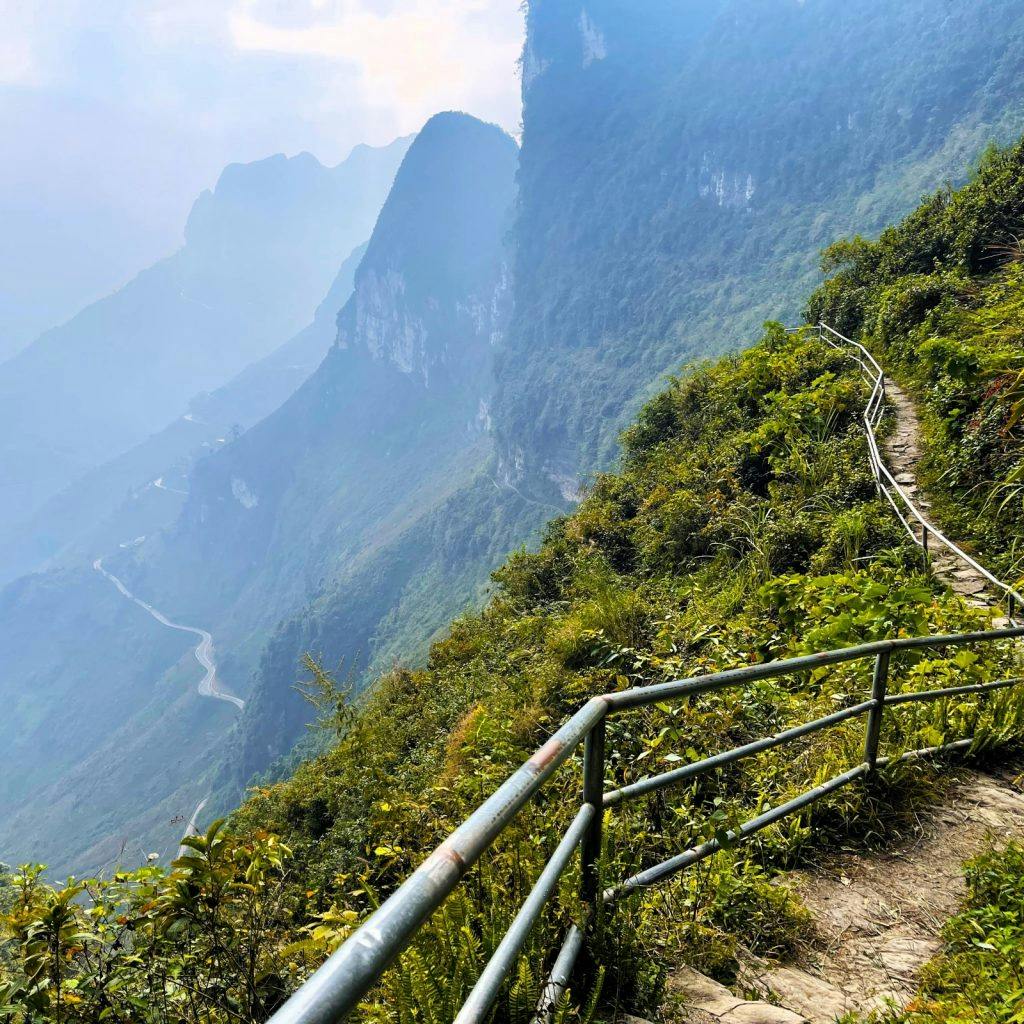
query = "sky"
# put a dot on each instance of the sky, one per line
(115, 114)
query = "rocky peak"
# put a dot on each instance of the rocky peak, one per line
(432, 293)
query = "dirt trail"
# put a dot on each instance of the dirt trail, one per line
(902, 453)
(877, 916)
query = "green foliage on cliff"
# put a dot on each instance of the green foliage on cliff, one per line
(940, 300)
(743, 527)
(735, 139)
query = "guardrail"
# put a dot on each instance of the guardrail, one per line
(336, 988)
(886, 482)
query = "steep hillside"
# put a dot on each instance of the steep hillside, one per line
(744, 520)
(345, 475)
(744, 525)
(260, 252)
(398, 405)
(391, 424)
(638, 247)
(142, 491)
(682, 165)
(940, 298)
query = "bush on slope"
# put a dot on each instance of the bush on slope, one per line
(744, 526)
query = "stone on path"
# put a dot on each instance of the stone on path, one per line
(877, 917)
(695, 999)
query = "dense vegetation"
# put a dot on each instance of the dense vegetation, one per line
(732, 139)
(744, 525)
(940, 299)
(736, 138)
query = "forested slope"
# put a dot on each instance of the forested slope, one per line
(743, 526)
(683, 163)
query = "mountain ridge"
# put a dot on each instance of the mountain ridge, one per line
(264, 248)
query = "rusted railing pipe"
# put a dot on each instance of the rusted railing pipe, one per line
(351, 970)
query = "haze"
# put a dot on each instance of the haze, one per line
(117, 113)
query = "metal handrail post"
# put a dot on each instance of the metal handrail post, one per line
(873, 729)
(593, 794)
(590, 855)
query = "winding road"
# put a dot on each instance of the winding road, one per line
(203, 651)
(191, 829)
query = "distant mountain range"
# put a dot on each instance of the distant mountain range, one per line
(387, 428)
(260, 252)
(682, 165)
(142, 490)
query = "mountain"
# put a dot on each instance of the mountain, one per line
(743, 526)
(260, 252)
(142, 490)
(682, 165)
(684, 162)
(388, 427)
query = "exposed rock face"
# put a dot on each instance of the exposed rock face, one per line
(594, 45)
(418, 341)
(432, 295)
(684, 162)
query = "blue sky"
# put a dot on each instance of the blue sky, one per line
(115, 114)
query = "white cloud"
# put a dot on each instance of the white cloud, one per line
(17, 29)
(16, 65)
(415, 56)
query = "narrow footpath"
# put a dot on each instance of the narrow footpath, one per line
(878, 916)
(902, 451)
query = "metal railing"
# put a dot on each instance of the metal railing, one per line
(886, 482)
(336, 988)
